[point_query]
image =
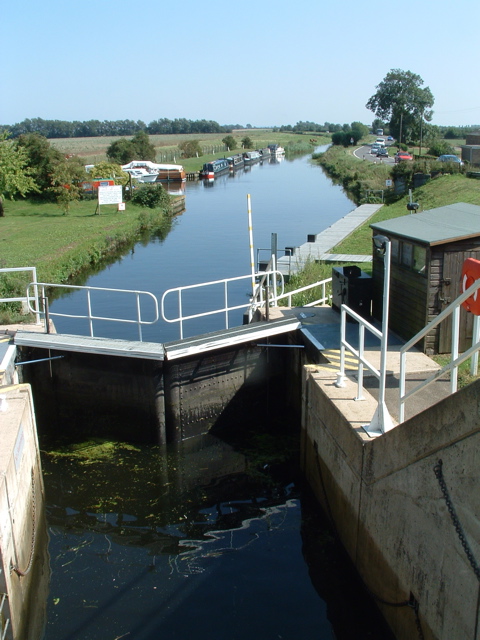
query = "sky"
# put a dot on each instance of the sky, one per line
(258, 62)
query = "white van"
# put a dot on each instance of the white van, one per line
(380, 141)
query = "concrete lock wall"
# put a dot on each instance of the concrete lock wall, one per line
(386, 499)
(24, 567)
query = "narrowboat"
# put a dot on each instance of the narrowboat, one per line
(235, 162)
(265, 153)
(214, 168)
(249, 157)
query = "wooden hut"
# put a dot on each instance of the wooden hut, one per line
(428, 250)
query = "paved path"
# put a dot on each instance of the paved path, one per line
(327, 239)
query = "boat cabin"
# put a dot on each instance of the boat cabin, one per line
(428, 250)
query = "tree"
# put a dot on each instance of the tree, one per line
(190, 149)
(15, 176)
(230, 142)
(109, 170)
(247, 142)
(42, 158)
(359, 130)
(66, 182)
(144, 149)
(402, 101)
(139, 147)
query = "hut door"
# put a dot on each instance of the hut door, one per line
(449, 290)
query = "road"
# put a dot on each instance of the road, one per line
(363, 153)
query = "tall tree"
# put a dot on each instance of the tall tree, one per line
(401, 100)
(15, 176)
(41, 159)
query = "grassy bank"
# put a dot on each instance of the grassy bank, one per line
(440, 191)
(61, 247)
(363, 179)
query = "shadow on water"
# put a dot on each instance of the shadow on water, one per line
(200, 539)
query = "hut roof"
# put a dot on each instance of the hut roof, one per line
(436, 226)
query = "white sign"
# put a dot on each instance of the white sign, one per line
(110, 195)
(388, 183)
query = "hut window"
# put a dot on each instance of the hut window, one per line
(407, 254)
(420, 259)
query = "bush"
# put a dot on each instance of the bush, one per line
(152, 196)
(191, 149)
(439, 148)
(230, 142)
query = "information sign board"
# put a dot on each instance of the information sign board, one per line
(110, 195)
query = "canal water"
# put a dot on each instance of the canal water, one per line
(215, 538)
(210, 241)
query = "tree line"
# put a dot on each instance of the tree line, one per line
(95, 128)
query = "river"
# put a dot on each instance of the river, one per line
(215, 538)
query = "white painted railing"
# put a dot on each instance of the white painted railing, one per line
(456, 359)
(25, 299)
(179, 292)
(90, 316)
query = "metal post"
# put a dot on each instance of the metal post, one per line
(250, 235)
(382, 421)
(47, 316)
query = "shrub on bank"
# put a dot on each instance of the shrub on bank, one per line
(152, 196)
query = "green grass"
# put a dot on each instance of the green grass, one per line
(438, 192)
(59, 246)
(441, 191)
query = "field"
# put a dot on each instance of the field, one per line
(93, 150)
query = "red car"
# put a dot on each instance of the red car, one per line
(403, 155)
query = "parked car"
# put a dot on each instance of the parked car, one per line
(401, 156)
(449, 158)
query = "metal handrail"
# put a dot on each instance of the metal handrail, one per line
(456, 358)
(180, 318)
(90, 316)
(26, 298)
(359, 353)
(274, 296)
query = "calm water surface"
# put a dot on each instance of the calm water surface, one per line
(210, 241)
(204, 540)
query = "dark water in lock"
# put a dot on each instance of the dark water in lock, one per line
(213, 538)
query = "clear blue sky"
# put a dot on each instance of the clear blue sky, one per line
(263, 62)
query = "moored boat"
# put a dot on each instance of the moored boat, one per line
(214, 168)
(249, 157)
(276, 149)
(158, 172)
(142, 175)
(171, 173)
(235, 162)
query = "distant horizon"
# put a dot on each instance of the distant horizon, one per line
(246, 126)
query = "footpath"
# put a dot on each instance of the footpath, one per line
(319, 246)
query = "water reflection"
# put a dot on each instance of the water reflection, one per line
(203, 538)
